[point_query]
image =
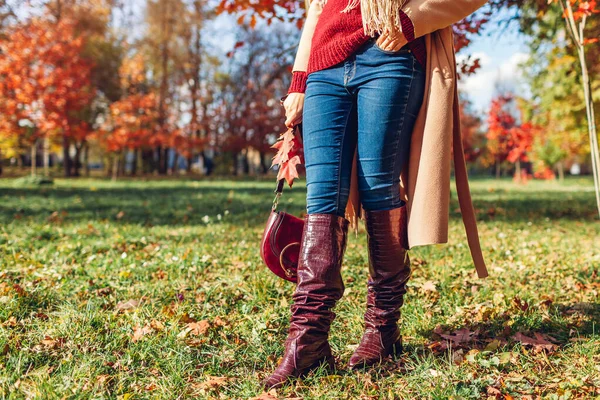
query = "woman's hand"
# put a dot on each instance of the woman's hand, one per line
(293, 104)
(391, 41)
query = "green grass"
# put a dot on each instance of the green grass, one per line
(205, 318)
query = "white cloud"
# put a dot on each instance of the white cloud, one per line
(482, 86)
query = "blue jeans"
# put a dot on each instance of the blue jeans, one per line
(367, 103)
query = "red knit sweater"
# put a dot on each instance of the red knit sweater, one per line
(338, 35)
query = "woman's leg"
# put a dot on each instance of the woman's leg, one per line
(329, 140)
(329, 136)
(390, 90)
(389, 98)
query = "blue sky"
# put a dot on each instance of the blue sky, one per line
(500, 52)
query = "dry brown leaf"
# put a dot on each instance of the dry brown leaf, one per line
(429, 286)
(51, 343)
(198, 328)
(138, 332)
(460, 336)
(158, 325)
(212, 382)
(539, 343)
(127, 305)
(270, 395)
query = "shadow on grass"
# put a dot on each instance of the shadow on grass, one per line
(568, 321)
(250, 206)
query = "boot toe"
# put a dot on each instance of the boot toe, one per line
(274, 381)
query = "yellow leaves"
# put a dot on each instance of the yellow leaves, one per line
(493, 345)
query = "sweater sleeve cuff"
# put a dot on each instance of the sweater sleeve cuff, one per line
(408, 29)
(298, 84)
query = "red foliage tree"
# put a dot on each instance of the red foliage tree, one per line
(44, 83)
(500, 123)
(472, 135)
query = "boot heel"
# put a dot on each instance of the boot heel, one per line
(397, 348)
(330, 363)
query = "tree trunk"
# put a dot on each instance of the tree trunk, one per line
(77, 161)
(497, 169)
(86, 160)
(263, 163)
(46, 156)
(34, 159)
(66, 156)
(115, 166)
(234, 172)
(246, 163)
(188, 166)
(561, 171)
(135, 162)
(175, 168)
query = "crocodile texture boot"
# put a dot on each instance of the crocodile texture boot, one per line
(389, 270)
(318, 289)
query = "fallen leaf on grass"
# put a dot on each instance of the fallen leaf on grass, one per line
(198, 328)
(11, 321)
(127, 305)
(461, 336)
(138, 332)
(520, 304)
(493, 345)
(429, 286)
(19, 289)
(50, 343)
(105, 291)
(539, 343)
(195, 329)
(270, 395)
(213, 382)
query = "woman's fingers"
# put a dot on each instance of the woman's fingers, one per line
(391, 42)
(293, 105)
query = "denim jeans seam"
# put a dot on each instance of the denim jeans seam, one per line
(339, 171)
(401, 135)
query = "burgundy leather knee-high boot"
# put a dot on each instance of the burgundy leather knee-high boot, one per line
(318, 288)
(389, 271)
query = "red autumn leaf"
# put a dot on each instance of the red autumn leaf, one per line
(540, 342)
(289, 171)
(288, 156)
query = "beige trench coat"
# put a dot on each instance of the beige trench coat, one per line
(425, 180)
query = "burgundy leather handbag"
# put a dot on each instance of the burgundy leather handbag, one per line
(280, 244)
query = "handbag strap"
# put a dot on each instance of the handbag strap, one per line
(278, 193)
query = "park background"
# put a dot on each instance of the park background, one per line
(135, 181)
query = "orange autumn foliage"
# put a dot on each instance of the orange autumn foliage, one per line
(44, 81)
